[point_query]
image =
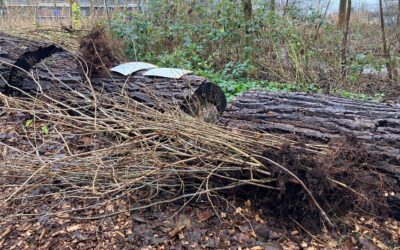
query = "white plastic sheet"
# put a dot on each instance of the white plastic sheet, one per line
(132, 67)
(173, 73)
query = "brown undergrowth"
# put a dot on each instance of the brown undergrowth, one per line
(125, 149)
(343, 181)
(110, 148)
(122, 159)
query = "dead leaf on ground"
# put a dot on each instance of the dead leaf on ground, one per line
(73, 228)
(257, 248)
(5, 233)
(176, 230)
(204, 215)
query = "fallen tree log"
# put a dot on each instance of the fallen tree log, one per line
(55, 71)
(321, 119)
(373, 129)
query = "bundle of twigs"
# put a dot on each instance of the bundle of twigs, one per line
(111, 147)
(134, 147)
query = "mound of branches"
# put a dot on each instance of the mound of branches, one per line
(126, 149)
(98, 51)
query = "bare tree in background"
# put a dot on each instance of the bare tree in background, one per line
(398, 14)
(345, 41)
(247, 9)
(342, 13)
(384, 44)
(286, 8)
(322, 20)
(273, 5)
(248, 15)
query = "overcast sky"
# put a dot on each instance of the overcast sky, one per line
(370, 4)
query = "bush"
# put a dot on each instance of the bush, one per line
(214, 40)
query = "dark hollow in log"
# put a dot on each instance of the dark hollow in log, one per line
(22, 54)
(59, 72)
(321, 119)
(25, 62)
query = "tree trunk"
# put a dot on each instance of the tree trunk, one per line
(398, 14)
(247, 9)
(273, 5)
(384, 44)
(58, 73)
(345, 42)
(316, 37)
(285, 9)
(370, 131)
(342, 13)
(322, 119)
(248, 15)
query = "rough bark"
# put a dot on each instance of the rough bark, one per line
(342, 13)
(345, 42)
(322, 119)
(373, 128)
(54, 71)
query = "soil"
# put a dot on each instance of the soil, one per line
(196, 226)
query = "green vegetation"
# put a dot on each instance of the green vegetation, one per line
(271, 51)
(76, 14)
(232, 86)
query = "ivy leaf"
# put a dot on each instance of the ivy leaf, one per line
(28, 123)
(45, 129)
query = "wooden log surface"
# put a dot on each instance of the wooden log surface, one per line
(53, 70)
(316, 118)
(311, 118)
(21, 53)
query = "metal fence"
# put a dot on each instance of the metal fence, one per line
(81, 3)
(46, 10)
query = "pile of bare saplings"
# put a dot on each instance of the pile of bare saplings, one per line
(93, 139)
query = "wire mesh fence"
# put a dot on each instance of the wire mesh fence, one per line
(64, 11)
